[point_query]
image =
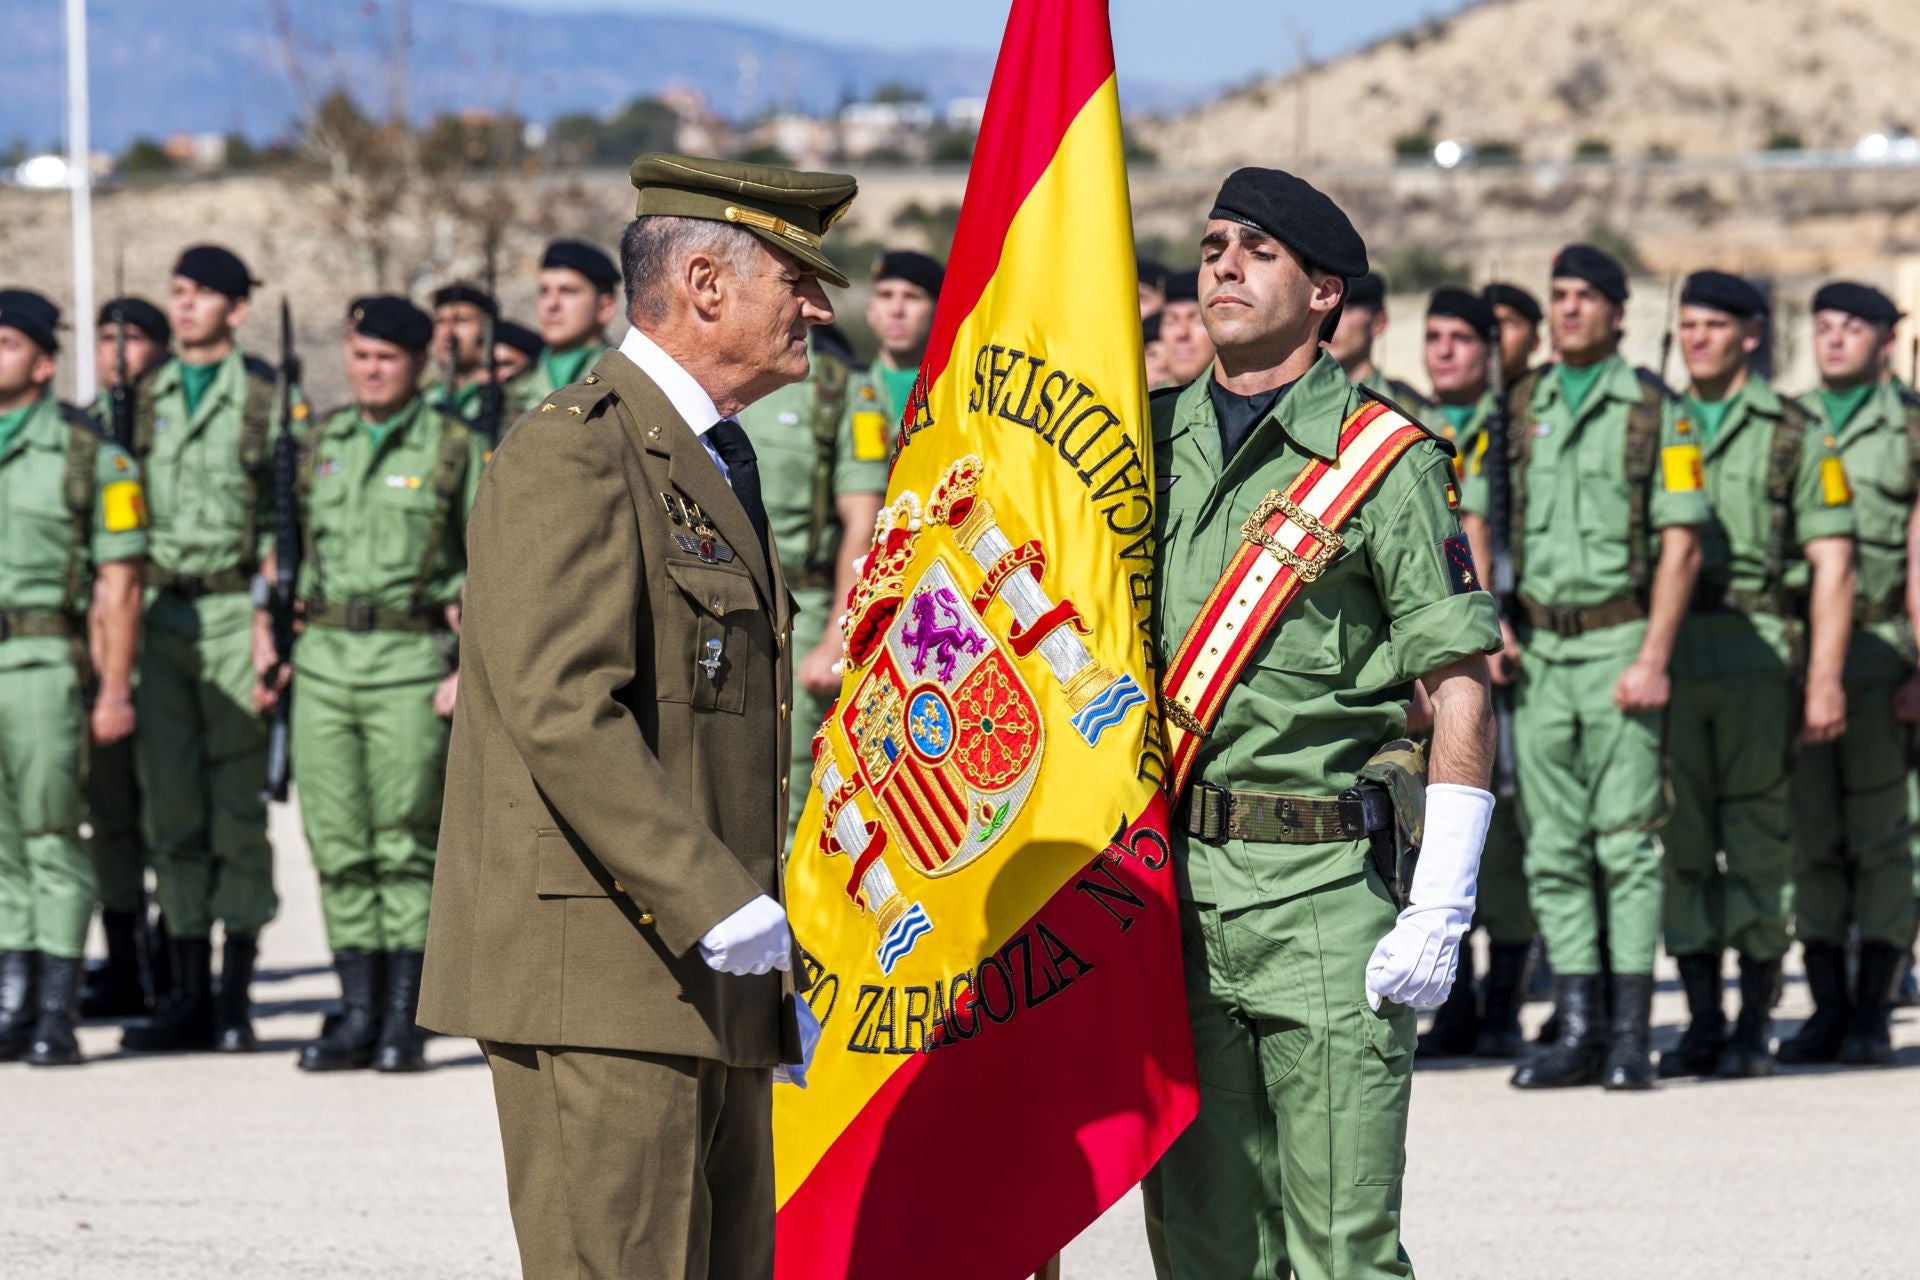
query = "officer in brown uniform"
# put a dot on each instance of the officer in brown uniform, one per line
(605, 912)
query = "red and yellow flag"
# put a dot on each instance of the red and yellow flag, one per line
(982, 881)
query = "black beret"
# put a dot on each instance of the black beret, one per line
(1151, 274)
(1368, 291)
(391, 319)
(1463, 304)
(828, 340)
(1512, 295)
(217, 269)
(1722, 292)
(33, 315)
(915, 268)
(1182, 286)
(589, 261)
(1862, 300)
(1297, 215)
(139, 313)
(1150, 329)
(1597, 268)
(461, 291)
(520, 338)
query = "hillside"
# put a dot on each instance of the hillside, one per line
(1647, 77)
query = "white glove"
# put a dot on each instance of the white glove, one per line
(795, 1073)
(753, 939)
(1415, 964)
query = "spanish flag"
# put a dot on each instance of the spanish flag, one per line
(982, 883)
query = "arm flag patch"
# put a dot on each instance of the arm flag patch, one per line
(1835, 489)
(123, 506)
(869, 435)
(1681, 468)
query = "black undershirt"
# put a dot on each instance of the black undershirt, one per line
(1238, 415)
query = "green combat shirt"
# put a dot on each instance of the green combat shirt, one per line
(1735, 540)
(781, 429)
(36, 527)
(369, 502)
(208, 514)
(1574, 537)
(1879, 462)
(872, 418)
(1332, 682)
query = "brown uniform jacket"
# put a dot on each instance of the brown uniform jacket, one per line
(607, 800)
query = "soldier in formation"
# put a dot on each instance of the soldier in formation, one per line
(1363, 322)
(72, 538)
(577, 301)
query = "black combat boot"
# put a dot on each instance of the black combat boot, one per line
(400, 1047)
(1698, 1053)
(348, 1046)
(1906, 990)
(114, 990)
(1501, 995)
(1819, 1037)
(185, 1022)
(1749, 1053)
(233, 1009)
(54, 1044)
(1869, 1038)
(1629, 1053)
(159, 951)
(17, 1009)
(1575, 1057)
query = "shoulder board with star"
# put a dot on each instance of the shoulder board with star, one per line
(259, 369)
(1654, 382)
(1446, 445)
(576, 400)
(74, 416)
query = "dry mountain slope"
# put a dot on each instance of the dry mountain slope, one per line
(1701, 80)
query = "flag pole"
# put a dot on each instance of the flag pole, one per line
(80, 175)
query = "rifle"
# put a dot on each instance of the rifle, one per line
(486, 418)
(1666, 339)
(286, 553)
(1500, 535)
(120, 399)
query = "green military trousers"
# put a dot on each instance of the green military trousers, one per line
(1853, 862)
(46, 879)
(201, 756)
(1501, 906)
(812, 616)
(113, 811)
(370, 763)
(1593, 788)
(1731, 740)
(1296, 1157)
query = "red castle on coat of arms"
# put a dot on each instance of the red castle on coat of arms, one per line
(945, 734)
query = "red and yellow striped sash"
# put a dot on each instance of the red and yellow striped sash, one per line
(1287, 542)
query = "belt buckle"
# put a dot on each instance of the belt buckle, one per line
(1208, 804)
(360, 615)
(190, 585)
(1566, 621)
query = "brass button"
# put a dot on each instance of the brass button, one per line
(646, 917)
(783, 711)
(783, 786)
(618, 887)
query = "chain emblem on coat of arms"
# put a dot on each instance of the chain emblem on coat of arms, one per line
(945, 734)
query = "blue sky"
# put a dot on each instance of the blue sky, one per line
(1169, 41)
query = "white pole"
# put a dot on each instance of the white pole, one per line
(80, 174)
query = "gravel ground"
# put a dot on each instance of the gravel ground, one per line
(213, 1167)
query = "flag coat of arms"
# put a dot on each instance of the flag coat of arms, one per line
(982, 883)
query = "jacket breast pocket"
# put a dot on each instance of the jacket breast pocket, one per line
(706, 637)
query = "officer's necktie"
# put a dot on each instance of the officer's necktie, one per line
(730, 441)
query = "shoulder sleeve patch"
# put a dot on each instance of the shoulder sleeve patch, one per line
(869, 435)
(123, 506)
(1835, 489)
(1681, 468)
(1458, 554)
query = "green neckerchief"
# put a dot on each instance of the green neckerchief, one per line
(10, 424)
(899, 384)
(1842, 405)
(563, 367)
(1711, 413)
(1459, 414)
(1576, 384)
(379, 431)
(194, 381)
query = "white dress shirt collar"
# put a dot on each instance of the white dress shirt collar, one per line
(688, 398)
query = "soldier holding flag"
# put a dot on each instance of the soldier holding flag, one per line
(1311, 570)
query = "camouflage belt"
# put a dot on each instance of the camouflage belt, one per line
(23, 624)
(1568, 621)
(359, 616)
(1714, 597)
(192, 586)
(1214, 813)
(1869, 613)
